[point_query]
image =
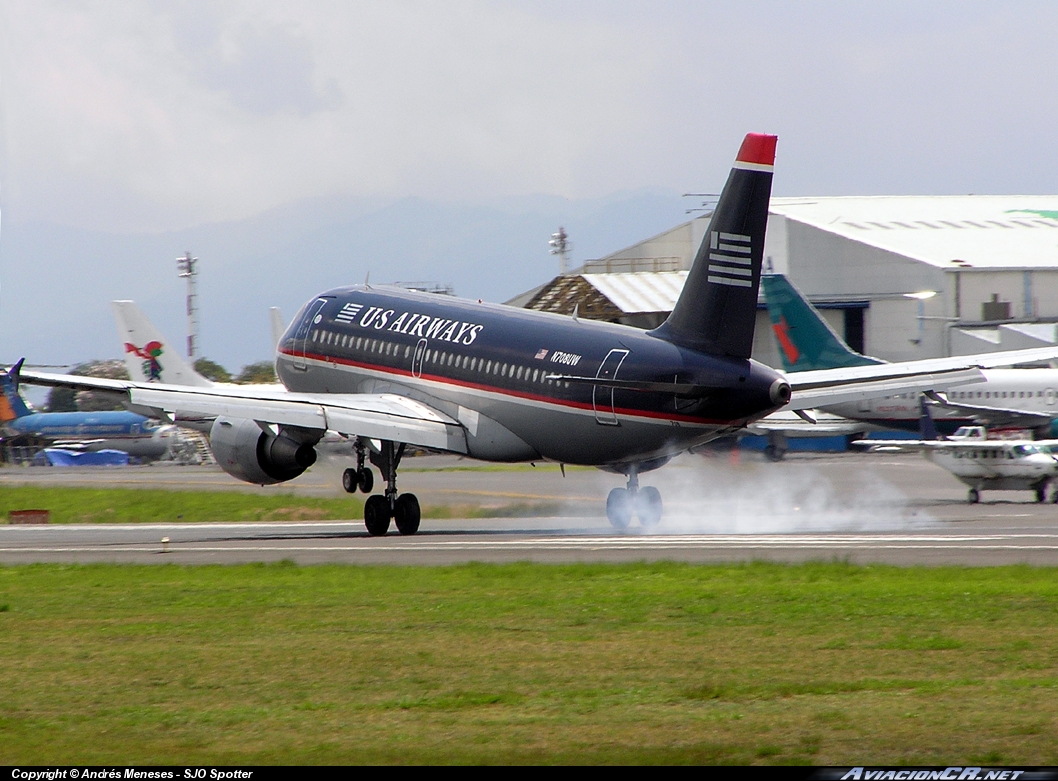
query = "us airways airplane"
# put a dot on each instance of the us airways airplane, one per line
(392, 367)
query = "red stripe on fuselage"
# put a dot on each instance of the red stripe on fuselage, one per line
(506, 391)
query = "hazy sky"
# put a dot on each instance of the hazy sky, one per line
(154, 116)
(295, 146)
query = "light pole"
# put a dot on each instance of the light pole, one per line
(188, 270)
(560, 246)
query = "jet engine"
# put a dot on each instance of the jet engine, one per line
(246, 451)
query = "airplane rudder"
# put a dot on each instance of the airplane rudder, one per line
(717, 309)
(12, 405)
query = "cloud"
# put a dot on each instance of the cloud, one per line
(159, 115)
(263, 70)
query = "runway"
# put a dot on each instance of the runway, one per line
(863, 509)
(546, 540)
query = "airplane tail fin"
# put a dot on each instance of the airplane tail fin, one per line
(149, 357)
(278, 329)
(926, 429)
(717, 310)
(11, 404)
(806, 340)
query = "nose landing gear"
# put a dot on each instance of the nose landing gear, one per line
(644, 503)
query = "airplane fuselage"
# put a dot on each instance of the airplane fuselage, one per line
(1028, 390)
(494, 369)
(1013, 467)
(117, 430)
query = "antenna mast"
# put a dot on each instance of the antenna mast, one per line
(560, 246)
(188, 270)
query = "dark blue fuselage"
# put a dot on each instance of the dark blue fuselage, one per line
(493, 368)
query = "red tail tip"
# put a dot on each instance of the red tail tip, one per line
(757, 148)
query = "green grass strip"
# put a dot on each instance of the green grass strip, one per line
(133, 505)
(651, 663)
(144, 505)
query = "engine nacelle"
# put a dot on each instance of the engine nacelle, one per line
(249, 453)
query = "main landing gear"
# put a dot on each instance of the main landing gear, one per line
(380, 510)
(644, 503)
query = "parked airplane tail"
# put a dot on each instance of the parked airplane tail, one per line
(149, 357)
(11, 404)
(806, 340)
(278, 327)
(717, 309)
(926, 429)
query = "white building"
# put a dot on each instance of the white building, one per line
(902, 277)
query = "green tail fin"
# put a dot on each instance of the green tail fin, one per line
(806, 341)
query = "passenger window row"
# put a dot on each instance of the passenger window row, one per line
(978, 395)
(995, 394)
(439, 358)
(986, 454)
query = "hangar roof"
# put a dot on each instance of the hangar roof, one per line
(947, 231)
(643, 291)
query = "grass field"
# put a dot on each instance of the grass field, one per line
(820, 663)
(137, 505)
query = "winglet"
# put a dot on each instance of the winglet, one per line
(11, 404)
(13, 374)
(926, 429)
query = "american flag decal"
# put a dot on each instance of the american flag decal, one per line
(348, 313)
(729, 259)
(541, 355)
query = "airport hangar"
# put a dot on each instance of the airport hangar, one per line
(900, 277)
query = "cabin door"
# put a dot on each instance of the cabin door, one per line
(417, 358)
(301, 336)
(602, 395)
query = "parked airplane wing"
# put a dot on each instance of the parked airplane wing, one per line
(826, 425)
(943, 444)
(823, 387)
(835, 386)
(371, 415)
(1000, 417)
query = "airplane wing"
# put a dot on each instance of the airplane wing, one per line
(1000, 417)
(372, 415)
(393, 417)
(822, 387)
(835, 386)
(937, 444)
(789, 423)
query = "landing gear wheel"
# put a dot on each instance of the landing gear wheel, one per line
(773, 453)
(648, 506)
(973, 497)
(619, 508)
(1041, 495)
(366, 480)
(406, 514)
(376, 515)
(349, 481)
